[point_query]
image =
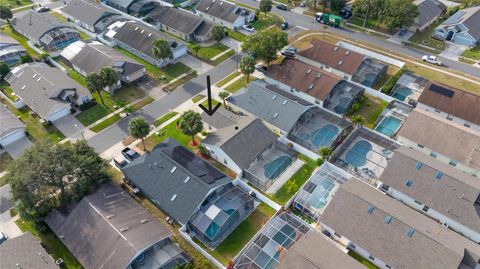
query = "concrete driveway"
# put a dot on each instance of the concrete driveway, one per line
(16, 149)
(195, 64)
(453, 51)
(66, 125)
(398, 39)
(7, 223)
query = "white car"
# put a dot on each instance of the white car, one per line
(432, 59)
(248, 28)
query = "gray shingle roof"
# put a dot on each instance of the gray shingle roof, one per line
(87, 11)
(107, 228)
(40, 85)
(36, 24)
(431, 245)
(24, 252)
(122, 3)
(9, 123)
(224, 118)
(453, 195)
(177, 19)
(161, 176)
(218, 8)
(275, 106)
(428, 10)
(81, 54)
(470, 17)
(7, 39)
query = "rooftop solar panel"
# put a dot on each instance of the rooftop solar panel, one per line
(441, 90)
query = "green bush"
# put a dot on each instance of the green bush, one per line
(387, 88)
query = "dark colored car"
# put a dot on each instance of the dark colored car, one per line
(130, 154)
(402, 31)
(282, 7)
(284, 25)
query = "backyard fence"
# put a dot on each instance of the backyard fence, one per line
(200, 249)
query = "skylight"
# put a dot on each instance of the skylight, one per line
(370, 209)
(173, 197)
(410, 232)
(186, 179)
(173, 169)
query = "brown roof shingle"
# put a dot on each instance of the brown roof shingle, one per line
(443, 136)
(455, 102)
(303, 77)
(333, 56)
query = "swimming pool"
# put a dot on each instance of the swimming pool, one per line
(357, 155)
(369, 80)
(324, 136)
(276, 167)
(402, 93)
(389, 125)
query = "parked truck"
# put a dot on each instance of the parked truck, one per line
(329, 19)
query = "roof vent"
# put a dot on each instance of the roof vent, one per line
(285, 102)
(206, 9)
(319, 75)
(40, 78)
(335, 48)
(111, 216)
(23, 87)
(136, 28)
(143, 30)
(186, 179)
(347, 52)
(309, 70)
(221, 3)
(143, 221)
(173, 197)
(276, 115)
(173, 169)
(34, 75)
(340, 63)
(124, 229)
(310, 87)
(274, 97)
(149, 35)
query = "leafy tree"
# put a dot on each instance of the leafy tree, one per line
(161, 49)
(266, 43)
(95, 84)
(325, 152)
(398, 13)
(247, 65)
(45, 56)
(265, 6)
(5, 13)
(139, 128)
(26, 59)
(195, 47)
(224, 95)
(4, 69)
(292, 186)
(358, 120)
(51, 175)
(218, 33)
(109, 76)
(191, 124)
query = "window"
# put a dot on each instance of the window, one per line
(420, 146)
(387, 219)
(410, 232)
(419, 165)
(370, 209)
(433, 154)
(438, 175)
(408, 182)
(453, 163)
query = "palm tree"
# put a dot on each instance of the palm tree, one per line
(195, 47)
(161, 49)
(139, 128)
(247, 66)
(191, 124)
(224, 95)
(95, 84)
(358, 121)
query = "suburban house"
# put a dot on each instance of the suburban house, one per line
(45, 30)
(138, 39)
(461, 28)
(448, 142)
(10, 49)
(314, 85)
(90, 15)
(287, 242)
(109, 229)
(180, 23)
(11, 129)
(278, 108)
(79, 55)
(435, 189)
(25, 252)
(342, 62)
(392, 235)
(191, 191)
(224, 13)
(133, 7)
(429, 11)
(455, 105)
(46, 90)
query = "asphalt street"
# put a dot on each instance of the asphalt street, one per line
(118, 131)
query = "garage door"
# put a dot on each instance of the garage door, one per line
(59, 114)
(11, 137)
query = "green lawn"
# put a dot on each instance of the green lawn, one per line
(164, 118)
(228, 78)
(238, 84)
(263, 22)
(92, 114)
(425, 38)
(473, 53)
(236, 35)
(145, 101)
(300, 177)
(206, 53)
(8, 91)
(22, 40)
(166, 132)
(232, 245)
(362, 260)
(16, 3)
(197, 98)
(370, 110)
(52, 244)
(214, 103)
(36, 130)
(5, 160)
(104, 124)
(370, 24)
(222, 58)
(168, 73)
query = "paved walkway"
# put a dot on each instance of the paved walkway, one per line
(285, 176)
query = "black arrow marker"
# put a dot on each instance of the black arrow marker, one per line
(209, 110)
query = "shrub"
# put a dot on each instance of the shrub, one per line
(88, 105)
(388, 86)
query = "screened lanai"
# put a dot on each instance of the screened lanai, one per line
(272, 243)
(312, 199)
(220, 214)
(59, 38)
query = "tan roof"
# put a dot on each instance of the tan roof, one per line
(431, 245)
(316, 251)
(303, 77)
(453, 195)
(455, 102)
(443, 136)
(333, 56)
